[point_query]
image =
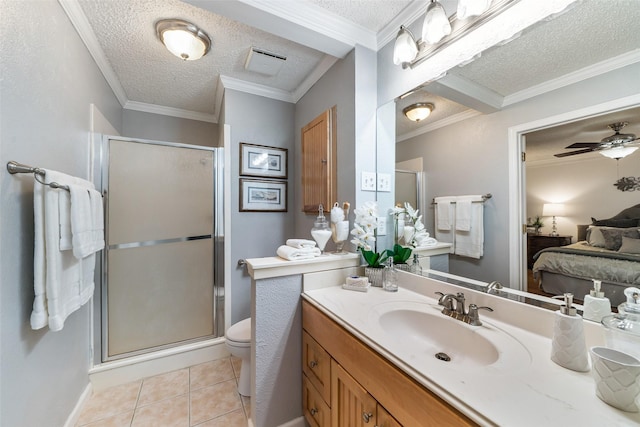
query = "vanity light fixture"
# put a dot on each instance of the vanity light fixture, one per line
(405, 48)
(436, 23)
(468, 8)
(183, 39)
(617, 152)
(418, 111)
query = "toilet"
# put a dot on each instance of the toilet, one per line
(238, 340)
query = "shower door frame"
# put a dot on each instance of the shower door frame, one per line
(217, 241)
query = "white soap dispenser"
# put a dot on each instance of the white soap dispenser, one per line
(596, 305)
(568, 347)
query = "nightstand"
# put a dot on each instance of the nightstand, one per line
(538, 242)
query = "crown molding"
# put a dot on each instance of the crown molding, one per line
(256, 89)
(447, 121)
(406, 17)
(317, 73)
(79, 20)
(170, 111)
(594, 70)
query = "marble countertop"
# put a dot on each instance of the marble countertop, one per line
(533, 391)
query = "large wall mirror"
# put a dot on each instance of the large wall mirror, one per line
(562, 81)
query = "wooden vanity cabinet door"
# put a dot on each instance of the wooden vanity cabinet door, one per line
(316, 364)
(351, 405)
(315, 409)
(384, 419)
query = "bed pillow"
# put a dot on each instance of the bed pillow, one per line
(595, 237)
(615, 222)
(613, 236)
(630, 246)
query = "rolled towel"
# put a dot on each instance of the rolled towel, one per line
(294, 254)
(301, 243)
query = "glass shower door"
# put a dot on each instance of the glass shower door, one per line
(159, 287)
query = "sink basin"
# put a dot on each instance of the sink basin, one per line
(420, 330)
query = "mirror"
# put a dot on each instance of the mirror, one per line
(580, 65)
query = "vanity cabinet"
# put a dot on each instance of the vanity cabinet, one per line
(365, 389)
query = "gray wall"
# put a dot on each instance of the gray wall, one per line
(471, 157)
(256, 120)
(138, 124)
(336, 87)
(48, 81)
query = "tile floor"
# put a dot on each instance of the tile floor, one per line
(203, 395)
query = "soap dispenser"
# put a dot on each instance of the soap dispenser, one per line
(596, 305)
(568, 347)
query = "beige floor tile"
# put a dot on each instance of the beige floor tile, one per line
(120, 420)
(164, 386)
(106, 403)
(213, 401)
(172, 412)
(236, 362)
(210, 373)
(232, 419)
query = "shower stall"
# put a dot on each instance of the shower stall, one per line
(162, 280)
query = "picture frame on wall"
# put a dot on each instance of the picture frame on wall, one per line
(261, 195)
(263, 161)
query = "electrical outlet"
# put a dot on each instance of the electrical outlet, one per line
(384, 182)
(368, 181)
(382, 226)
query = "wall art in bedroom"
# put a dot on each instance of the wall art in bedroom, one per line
(628, 183)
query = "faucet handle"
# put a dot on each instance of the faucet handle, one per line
(446, 300)
(473, 318)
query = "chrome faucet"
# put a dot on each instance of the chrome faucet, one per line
(446, 300)
(459, 312)
(473, 318)
(494, 286)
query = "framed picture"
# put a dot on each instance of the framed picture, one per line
(263, 161)
(257, 195)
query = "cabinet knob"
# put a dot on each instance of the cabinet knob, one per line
(366, 417)
(313, 364)
(313, 411)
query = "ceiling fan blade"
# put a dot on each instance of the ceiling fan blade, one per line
(573, 153)
(583, 144)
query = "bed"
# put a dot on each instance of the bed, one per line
(607, 250)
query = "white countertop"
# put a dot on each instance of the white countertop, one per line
(534, 392)
(268, 267)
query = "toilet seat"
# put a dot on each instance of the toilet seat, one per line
(240, 332)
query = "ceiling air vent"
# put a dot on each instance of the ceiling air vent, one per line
(264, 62)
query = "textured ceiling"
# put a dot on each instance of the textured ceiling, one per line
(371, 14)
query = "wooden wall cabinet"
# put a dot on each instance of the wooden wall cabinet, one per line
(366, 390)
(319, 162)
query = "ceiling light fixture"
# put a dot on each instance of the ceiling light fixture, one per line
(183, 39)
(438, 31)
(617, 152)
(418, 111)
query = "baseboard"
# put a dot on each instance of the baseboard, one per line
(122, 371)
(297, 422)
(75, 414)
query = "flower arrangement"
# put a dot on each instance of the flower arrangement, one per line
(414, 235)
(364, 234)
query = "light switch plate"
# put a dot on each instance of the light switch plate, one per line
(368, 181)
(384, 182)
(382, 226)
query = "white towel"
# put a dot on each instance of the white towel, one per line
(470, 243)
(87, 225)
(445, 221)
(62, 283)
(301, 243)
(64, 210)
(293, 254)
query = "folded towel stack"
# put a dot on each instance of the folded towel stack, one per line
(295, 254)
(301, 243)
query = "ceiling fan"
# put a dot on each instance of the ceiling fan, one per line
(615, 146)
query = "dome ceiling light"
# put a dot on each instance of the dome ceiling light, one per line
(183, 39)
(418, 111)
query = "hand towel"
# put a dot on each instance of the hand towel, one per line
(463, 211)
(301, 243)
(470, 243)
(64, 210)
(445, 221)
(62, 283)
(87, 225)
(293, 254)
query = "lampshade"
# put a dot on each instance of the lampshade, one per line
(468, 8)
(618, 152)
(406, 48)
(436, 24)
(183, 39)
(553, 209)
(418, 111)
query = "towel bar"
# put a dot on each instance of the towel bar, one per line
(484, 199)
(15, 167)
